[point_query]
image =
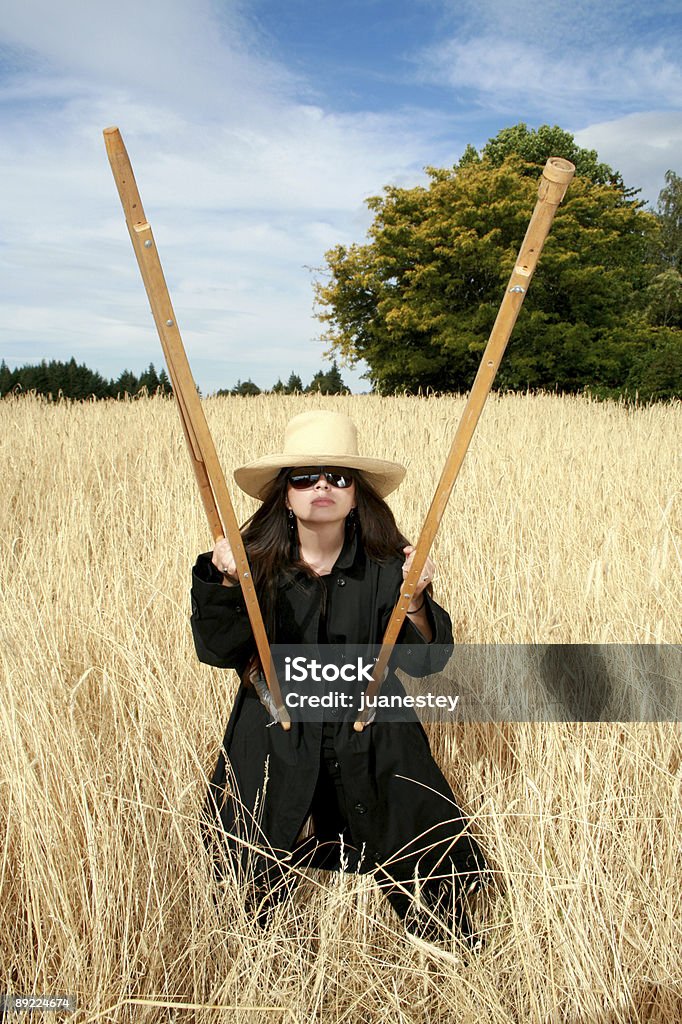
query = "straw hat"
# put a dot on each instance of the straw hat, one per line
(319, 438)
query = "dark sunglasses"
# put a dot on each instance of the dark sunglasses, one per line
(302, 479)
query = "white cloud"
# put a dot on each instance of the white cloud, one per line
(245, 180)
(554, 26)
(193, 55)
(641, 146)
(512, 75)
(244, 183)
(613, 67)
(567, 63)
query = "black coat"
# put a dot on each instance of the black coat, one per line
(398, 802)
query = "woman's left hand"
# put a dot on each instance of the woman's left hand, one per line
(428, 571)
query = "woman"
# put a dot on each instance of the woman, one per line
(328, 561)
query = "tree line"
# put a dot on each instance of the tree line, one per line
(417, 301)
(76, 381)
(329, 383)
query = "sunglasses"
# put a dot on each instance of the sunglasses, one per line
(302, 479)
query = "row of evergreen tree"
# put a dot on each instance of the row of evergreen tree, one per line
(329, 383)
(76, 381)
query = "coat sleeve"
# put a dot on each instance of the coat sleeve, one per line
(439, 621)
(415, 655)
(412, 653)
(220, 623)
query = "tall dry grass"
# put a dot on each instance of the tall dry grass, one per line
(564, 527)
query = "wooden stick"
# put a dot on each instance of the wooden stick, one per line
(214, 494)
(555, 179)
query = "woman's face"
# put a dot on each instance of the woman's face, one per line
(321, 502)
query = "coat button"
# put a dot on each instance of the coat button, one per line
(360, 808)
(340, 582)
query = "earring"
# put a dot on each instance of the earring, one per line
(291, 519)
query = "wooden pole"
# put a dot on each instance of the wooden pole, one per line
(214, 494)
(555, 179)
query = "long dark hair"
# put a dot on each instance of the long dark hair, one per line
(271, 540)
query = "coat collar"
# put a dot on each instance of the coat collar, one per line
(348, 552)
(348, 556)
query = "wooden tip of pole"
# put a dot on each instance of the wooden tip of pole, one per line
(558, 169)
(358, 726)
(113, 142)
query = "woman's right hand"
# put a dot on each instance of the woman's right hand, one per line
(223, 559)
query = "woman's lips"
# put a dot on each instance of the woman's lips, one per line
(323, 501)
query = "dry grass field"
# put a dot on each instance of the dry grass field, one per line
(564, 527)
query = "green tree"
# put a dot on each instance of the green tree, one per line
(294, 386)
(664, 295)
(75, 380)
(669, 211)
(417, 302)
(656, 371)
(164, 383)
(278, 388)
(318, 383)
(150, 380)
(329, 383)
(246, 387)
(62, 378)
(126, 384)
(664, 307)
(536, 145)
(6, 378)
(37, 378)
(59, 379)
(334, 381)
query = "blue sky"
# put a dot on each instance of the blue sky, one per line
(257, 129)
